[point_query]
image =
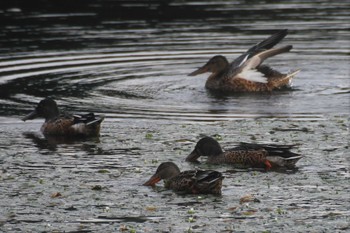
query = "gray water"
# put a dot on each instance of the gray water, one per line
(129, 61)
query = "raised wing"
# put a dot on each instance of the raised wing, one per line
(256, 49)
(248, 70)
(259, 47)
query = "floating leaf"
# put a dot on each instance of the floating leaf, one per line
(97, 187)
(103, 171)
(280, 211)
(154, 161)
(191, 211)
(249, 212)
(151, 208)
(123, 228)
(248, 198)
(55, 195)
(233, 208)
(137, 170)
(191, 219)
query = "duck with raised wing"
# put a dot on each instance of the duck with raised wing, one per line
(246, 154)
(56, 124)
(246, 73)
(191, 181)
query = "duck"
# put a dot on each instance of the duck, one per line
(247, 73)
(190, 181)
(56, 124)
(247, 155)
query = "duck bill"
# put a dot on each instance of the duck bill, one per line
(201, 70)
(193, 157)
(30, 116)
(152, 181)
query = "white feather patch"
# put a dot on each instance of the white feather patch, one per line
(79, 128)
(253, 75)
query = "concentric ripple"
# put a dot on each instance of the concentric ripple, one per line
(136, 69)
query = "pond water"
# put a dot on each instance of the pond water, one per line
(129, 61)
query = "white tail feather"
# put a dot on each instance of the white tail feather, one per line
(291, 75)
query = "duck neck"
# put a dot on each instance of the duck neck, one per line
(217, 159)
(215, 79)
(53, 113)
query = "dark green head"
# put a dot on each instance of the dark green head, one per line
(47, 108)
(207, 146)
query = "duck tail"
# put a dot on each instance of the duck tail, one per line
(289, 77)
(284, 81)
(87, 124)
(290, 162)
(284, 162)
(282, 156)
(88, 119)
(210, 182)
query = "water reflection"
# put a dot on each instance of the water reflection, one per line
(51, 142)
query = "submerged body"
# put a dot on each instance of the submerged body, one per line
(192, 181)
(56, 124)
(247, 154)
(246, 73)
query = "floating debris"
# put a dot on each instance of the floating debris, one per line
(97, 187)
(248, 198)
(55, 195)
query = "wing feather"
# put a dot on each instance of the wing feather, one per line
(252, 75)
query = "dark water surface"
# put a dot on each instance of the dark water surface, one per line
(129, 60)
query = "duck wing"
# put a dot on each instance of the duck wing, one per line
(198, 181)
(272, 149)
(277, 155)
(259, 47)
(249, 69)
(208, 181)
(88, 119)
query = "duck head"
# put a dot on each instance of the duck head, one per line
(206, 146)
(216, 64)
(47, 108)
(165, 171)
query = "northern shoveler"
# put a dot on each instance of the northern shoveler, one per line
(247, 154)
(65, 125)
(192, 181)
(246, 73)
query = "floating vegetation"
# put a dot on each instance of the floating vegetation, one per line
(103, 171)
(97, 188)
(56, 194)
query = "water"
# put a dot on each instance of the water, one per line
(130, 62)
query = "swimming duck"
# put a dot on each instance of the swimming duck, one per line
(192, 181)
(246, 154)
(65, 125)
(246, 73)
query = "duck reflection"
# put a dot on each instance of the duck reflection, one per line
(51, 143)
